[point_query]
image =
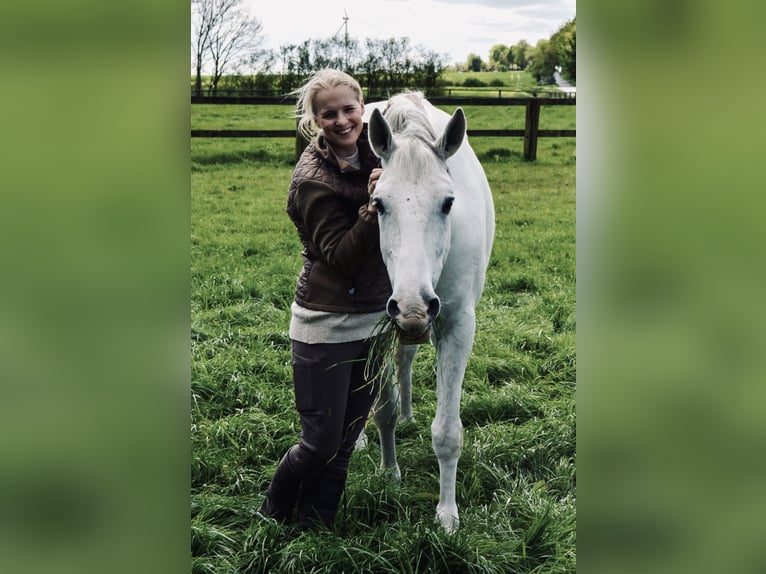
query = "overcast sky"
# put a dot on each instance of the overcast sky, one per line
(452, 27)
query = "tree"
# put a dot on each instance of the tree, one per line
(289, 79)
(519, 55)
(372, 65)
(203, 19)
(569, 63)
(426, 70)
(498, 57)
(397, 62)
(544, 62)
(334, 52)
(559, 51)
(223, 34)
(474, 63)
(234, 37)
(564, 44)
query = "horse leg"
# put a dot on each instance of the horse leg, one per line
(384, 415)
(390, 398)
(403, 358)
(453, 348)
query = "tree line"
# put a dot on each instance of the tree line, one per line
(229, 41)
(559, 52)
(226, 39)
(382, 66)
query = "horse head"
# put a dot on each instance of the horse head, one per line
(414, 197)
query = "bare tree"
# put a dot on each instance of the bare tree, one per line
(203, 22)
(426, 70)
(224, 34)
(397, 63)
(236, 37)
(372, 65)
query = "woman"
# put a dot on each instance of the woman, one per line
(340, 295)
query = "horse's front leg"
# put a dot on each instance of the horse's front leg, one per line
(453, 347)
(403, 358)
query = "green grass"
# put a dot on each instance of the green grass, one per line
(242, 117)
(280, 117)
(516, 477)
(513, 83)
(511, 78)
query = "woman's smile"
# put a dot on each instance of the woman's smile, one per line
(339, 116)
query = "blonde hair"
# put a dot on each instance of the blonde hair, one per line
(327, 78)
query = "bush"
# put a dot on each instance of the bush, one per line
(259, 82)
(472, 82)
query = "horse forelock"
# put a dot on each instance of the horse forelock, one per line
(414, 135)
(414, 159)
(407, 117)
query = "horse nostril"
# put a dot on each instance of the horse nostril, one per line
(392, 309)
(434, 306)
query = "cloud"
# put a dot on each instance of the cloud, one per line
(451, 27)
(552, 5)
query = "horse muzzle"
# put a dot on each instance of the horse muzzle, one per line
(414, 317)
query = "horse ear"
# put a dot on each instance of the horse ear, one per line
(453, 135)
(380, 135)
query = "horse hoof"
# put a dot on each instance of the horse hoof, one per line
(361, 442)
(450, 522)
(392, 472)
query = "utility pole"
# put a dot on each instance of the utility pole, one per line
(345, 39)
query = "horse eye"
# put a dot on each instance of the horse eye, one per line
(378, 204)
(447, 205)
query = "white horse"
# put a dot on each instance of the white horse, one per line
(437, 223)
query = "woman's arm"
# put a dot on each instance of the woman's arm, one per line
(343, 244)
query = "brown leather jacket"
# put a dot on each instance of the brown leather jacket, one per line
(343, 270)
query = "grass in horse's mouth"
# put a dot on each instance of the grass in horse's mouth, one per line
(386, 335)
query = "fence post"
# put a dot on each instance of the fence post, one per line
(531, 124)
(301, 143)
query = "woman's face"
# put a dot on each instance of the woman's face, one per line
(339, 115)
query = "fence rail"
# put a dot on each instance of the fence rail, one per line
(530, 133)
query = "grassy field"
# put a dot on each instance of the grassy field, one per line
(280, 117)
(508, 82)
(516, 477)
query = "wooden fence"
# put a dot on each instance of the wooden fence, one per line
(530, 133)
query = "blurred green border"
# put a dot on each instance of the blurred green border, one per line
(94, 297)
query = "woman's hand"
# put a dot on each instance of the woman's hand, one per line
(374, 176)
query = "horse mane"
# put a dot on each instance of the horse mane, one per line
(407, 117)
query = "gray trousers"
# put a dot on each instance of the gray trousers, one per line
(333, 398)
